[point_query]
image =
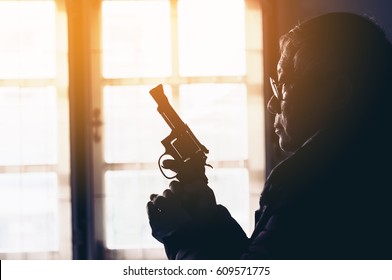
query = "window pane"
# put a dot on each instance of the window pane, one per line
(27, 32)
(211, 37)
(28, 125)
(133, 127)
(136, 39)
(217, 115)
(28, 212)
(231, 188)
(128, 192)
(126, 198)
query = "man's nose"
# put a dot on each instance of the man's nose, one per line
(273, 105)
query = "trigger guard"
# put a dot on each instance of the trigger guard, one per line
(161, 168)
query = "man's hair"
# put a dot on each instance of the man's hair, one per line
(353, 45)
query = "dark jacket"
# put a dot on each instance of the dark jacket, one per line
(329, 200)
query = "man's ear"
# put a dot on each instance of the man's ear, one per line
(341, 93)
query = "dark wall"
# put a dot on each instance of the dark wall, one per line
(290, 12)
(279, 16)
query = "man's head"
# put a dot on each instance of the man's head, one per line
(334, 69)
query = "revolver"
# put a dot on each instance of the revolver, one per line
(181, 144)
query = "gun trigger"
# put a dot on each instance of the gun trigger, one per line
(161, 168)
(209, 165)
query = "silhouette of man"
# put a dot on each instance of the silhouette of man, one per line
(331, 198)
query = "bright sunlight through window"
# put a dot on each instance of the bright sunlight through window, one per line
(34, 143)
(200, 51)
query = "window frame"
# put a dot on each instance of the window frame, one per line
(61, 167)
(253, 82)
(84, 86)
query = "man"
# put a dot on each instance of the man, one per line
(331, 199)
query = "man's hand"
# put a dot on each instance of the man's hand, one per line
(166, 215)
(196, 197)
(180, 207)
(189, 203)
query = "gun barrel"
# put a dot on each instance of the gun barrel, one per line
(165, 109)
(158, 95)
(181, 144)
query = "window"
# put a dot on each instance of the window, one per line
(207, 57)
(34, 167)
(211, 72)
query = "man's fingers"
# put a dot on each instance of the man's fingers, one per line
(168, 193)
(170, 164)
(153, 196)
(177, 188)
(163, 203)
(152, 211)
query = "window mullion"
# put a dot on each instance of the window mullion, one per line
(80, 132)
(175, 81)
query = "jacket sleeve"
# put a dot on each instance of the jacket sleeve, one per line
(264, 240)
(218, 237)
(293, 232)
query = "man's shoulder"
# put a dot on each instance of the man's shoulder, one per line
(307, 173)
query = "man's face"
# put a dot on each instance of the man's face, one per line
(297, 113)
